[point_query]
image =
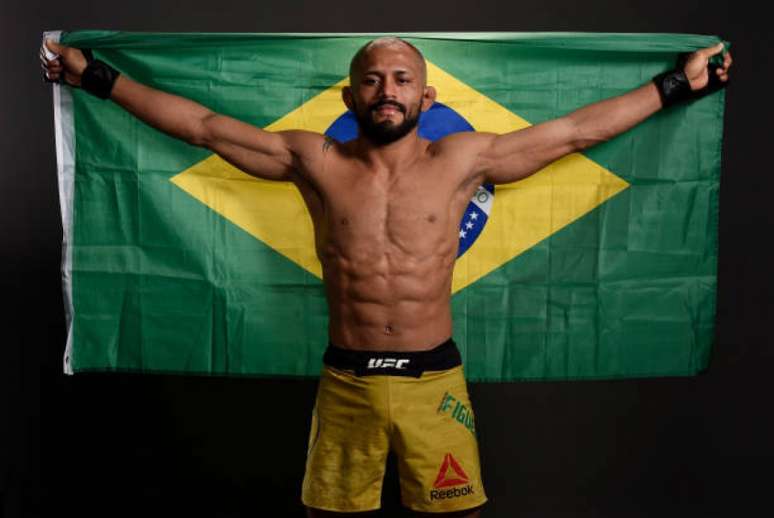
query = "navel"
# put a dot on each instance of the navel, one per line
(344, 221)
(431, 218)
(388, 330)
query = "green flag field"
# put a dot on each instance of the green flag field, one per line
(602, 265)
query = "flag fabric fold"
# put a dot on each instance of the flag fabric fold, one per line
(602, 265)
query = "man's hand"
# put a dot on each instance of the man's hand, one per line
(68, 65)
(696, 66)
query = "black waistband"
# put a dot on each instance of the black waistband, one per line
(394, 363)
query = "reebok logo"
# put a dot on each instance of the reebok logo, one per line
(445, 478)
(387, 363)
(450, 474)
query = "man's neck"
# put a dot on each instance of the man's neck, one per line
(393, 156)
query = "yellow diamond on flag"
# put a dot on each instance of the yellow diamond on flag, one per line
(522, 214)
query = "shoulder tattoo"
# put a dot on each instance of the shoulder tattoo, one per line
(327, 144)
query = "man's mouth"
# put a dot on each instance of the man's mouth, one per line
(388, 108)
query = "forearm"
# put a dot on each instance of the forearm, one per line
(604, 120)
(171, 114)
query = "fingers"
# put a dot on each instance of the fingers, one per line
(51, 69)
(711, 51)
(53, 46)
(722, 71)
(52, 75)
(50, 62)
(727, 60)
(54, 67)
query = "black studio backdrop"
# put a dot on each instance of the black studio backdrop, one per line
(215, 447)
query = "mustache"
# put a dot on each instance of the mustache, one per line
(379, 104)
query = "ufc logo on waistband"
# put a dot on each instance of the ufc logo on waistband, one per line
(382, 363)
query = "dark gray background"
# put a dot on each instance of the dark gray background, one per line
(121, 445)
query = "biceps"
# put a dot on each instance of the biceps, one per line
(252, 150)
(516, 155)
(263, 165)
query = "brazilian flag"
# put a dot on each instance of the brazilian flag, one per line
(601, 265)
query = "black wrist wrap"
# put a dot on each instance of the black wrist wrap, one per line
(98, 77)
(673, 86)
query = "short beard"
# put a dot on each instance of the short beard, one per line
(386, 132)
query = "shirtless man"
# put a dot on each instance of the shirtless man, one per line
(392, 377)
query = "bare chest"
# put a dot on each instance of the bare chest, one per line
(413, 212)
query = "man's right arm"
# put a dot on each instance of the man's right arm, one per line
(257, 152)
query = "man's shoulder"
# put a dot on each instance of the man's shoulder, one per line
(303, 140)
(463, 142)
(312, 145)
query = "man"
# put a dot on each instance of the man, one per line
(392, 378)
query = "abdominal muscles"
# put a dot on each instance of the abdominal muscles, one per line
(388, 285)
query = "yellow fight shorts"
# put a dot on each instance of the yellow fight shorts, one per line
(415, 404)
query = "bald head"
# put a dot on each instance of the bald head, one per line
(355, 66)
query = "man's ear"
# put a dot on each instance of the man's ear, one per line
(429, 98)
(346, 96)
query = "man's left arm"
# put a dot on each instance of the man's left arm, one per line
(513, 156)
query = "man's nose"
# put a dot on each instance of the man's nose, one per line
(389, 88)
